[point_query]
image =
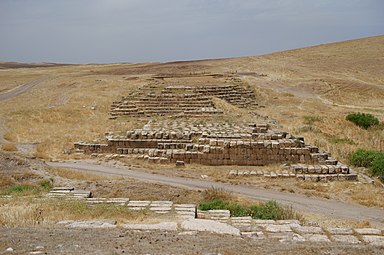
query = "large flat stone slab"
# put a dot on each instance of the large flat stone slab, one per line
(316, 238)
(368, 231)
(209, 226)
(278, 228)
(89, 224)
(168, 226)
(374, 240)
(340, 231)
(308, 230)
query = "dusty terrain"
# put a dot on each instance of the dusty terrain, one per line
(64, 241)
(45, 108)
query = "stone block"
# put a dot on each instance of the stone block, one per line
(307, 230)
(209, 226)
(368, 231)
(374, 240)
(340, 231)
(278, 228)
(345, 239)
(166, 226)
(316, 238)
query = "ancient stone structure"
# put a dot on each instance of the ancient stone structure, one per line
(183, 140)
(222, 144)
(189, 101)
(211, 144)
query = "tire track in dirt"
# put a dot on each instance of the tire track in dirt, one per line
(13, 93)
(21, 89)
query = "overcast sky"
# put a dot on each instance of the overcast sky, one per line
(106, 31)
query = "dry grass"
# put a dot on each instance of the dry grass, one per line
(19, 215)
(22, 212)
(77, 175)
(9, 147)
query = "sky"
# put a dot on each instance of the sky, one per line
(111, 31)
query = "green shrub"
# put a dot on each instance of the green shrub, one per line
(377, 167)
(270, 210)
(374, 160)
(363, 158)
(364, 120)
(46, 185)
(215, 204)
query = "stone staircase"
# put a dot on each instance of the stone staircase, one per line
(189, 101)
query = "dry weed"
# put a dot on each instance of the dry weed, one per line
(9, 147)
(217, 193)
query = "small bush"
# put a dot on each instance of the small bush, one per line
(364, 120)
(363, 158)
(46, 185)
(377, 167)
(270, 210)
(374, 160)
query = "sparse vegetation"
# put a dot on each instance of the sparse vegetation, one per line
(364, 120)
(374, 160)
(28, 189)
(22, 212)
(216, 198)
(344, 140)
(270, 210)
(310, 120)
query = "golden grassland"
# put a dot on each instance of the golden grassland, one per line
(307, 91)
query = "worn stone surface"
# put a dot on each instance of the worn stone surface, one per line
(345, 239)
(340, 231)
(210, 226)
(307, 230)
(374, 240)
(169, 226)
(89, 224)
(278, 228)
(368, 231)
(316, 238)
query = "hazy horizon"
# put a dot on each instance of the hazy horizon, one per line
(115, 31)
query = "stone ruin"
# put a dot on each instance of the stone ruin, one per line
(189, 101)
(222, 143)
(183, 139)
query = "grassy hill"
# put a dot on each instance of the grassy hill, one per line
(307, 91)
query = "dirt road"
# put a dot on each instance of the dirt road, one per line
(19, 90)
(332, 208)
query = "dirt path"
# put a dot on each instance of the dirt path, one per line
(13, 93)
(332, 208)
(19, 90)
